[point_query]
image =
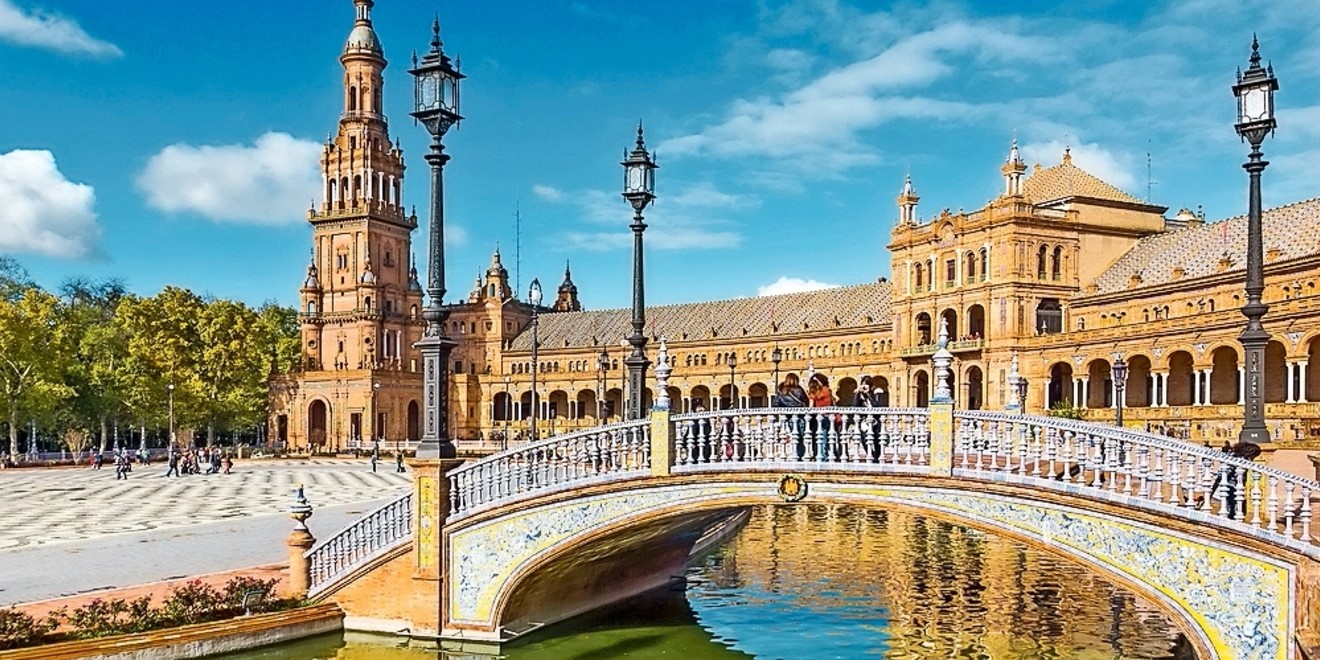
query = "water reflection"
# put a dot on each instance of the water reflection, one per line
(844, 582)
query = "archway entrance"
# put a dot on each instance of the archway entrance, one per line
(415, 421)
(317, 420)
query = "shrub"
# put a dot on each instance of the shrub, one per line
(190, 603)
(19, 629)
(236, 587)
(1066, 410)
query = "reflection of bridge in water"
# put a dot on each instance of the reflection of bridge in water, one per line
(536, 534)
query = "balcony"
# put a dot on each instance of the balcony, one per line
(964, 346)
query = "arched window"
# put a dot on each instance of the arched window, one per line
(1056, 265)
(969, 267)
(357, 187)
(367, 303)
(917, 281)
(352, 99)
(1040, 262)
(985, 263)
(311, 306)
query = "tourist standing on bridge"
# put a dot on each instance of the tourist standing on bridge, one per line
(865, 397)
(791, 395)
(820, 396)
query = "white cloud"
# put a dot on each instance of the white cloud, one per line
(548, 193)
(786, 284)
(43, 212)
(271, 182)
(1112, 168)
(41, 29)
(816, 127)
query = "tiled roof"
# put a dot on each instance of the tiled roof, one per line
(1067, 180)
(1293, 230)
(841, 307)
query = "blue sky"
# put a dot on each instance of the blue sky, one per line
(176, 142)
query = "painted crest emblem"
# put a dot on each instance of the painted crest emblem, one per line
(792, 488)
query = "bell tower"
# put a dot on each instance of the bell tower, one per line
(360, 304)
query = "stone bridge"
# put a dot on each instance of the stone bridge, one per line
(489, 549)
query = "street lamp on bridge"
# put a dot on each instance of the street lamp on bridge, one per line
(639, 190)
(733, 389)
(1119, 372)
(602, 365)
(435, 95)
(534, 297)
(1255, 95)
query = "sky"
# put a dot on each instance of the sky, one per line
(164, 142)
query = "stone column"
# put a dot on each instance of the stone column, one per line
(1086, 391)
(1301, 381)
(1242, 384)
(1289, 370)
(299, 541)
(662, 429)
(431, 505)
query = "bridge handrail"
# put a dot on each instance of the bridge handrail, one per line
(883, 439)
(1171, 475)
(596, 455)
(374, 534)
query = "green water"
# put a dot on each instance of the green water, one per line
(842, 582)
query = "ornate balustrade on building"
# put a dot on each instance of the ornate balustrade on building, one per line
(616, 452)
(954, 347)
(375, 534)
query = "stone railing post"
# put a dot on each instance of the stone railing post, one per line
(941, 407)
(431, 505)
(299, 541)
(662, 429)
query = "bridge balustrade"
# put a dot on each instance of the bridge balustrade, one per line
(616, 452)
(880, 439)
(373, 535)
(1160, 473)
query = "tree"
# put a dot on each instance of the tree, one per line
(163, 349)
(101, 349)
(34, 352)
(14, 279)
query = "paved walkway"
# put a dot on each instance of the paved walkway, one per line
(44, 506)
(78, 531)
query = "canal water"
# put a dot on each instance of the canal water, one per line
(807, 581)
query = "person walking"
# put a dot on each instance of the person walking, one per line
(121, 466)
(375, 456)
(398, 462)
(226, 463)
(173, 461)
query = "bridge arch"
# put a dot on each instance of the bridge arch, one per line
(640, 535)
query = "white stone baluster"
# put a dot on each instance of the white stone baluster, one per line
(1255, 497)
(1306, 514)
(1289, 510)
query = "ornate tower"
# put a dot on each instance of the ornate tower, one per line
(1013, 170)
(567, 299)
(360, 304)
(907, 203)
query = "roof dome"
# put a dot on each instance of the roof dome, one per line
(362, 37)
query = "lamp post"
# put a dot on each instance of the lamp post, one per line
(1255, 95)
(733, 391)
(1016, 388)
(534, 297)
(170, 387)
(639, 190)
(776, 356)
(602, 365)
(1120, 372)
(376, 433)
(508, 412)
(435, 96)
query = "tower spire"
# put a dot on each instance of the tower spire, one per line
(1013, 170)
(907, 202)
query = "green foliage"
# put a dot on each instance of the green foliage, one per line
(96, 355)
(19, 629)
(191, 603)
(1066, 410)
(113, 616)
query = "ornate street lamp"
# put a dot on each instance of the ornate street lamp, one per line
(602, 365)
(1017, 388)
(508, 412)
(776, 356)
(1119, 372)
(534, 297)
(1255, 94)
(376, 430)
(639, 190)
(435, 97)
(733, 391)
(171, 389)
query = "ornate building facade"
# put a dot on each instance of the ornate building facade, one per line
(1061, 269)
(359, 306)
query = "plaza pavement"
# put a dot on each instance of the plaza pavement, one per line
(77, 530)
